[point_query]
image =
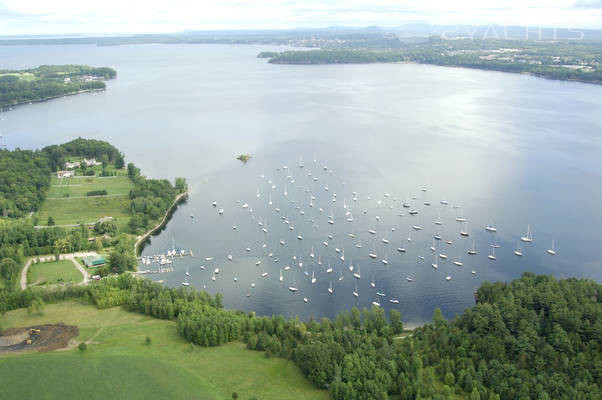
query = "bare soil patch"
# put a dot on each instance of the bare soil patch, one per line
(37, 338)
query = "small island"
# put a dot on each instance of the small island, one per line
(50, 81)
(244, 157)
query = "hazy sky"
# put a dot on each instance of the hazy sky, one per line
(123, 16)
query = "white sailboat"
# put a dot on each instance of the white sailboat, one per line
(281, 276)
(357, 274)
(313, 277)
(376, 302)
(293, 287)
(372, 254)
(527, 238)
(355, 292)
(329, 269)
(472, 251)
(464, 232)
(385, 261)
(518, 251)
(401, 249)
(330, 287)
(492, 255)
(461, 217)
(187, 273)
(552, 251)
(434, 265)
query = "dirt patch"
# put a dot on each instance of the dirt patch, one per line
(37, 338)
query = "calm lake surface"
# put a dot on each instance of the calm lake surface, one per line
(510, 150)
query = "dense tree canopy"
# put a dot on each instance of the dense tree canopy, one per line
(541, 62)
(151, 198)
(534, 338)
(24, 180)
(50, 81)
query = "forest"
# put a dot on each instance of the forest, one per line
(562, 60)
(24, 181)
(48, 81)
(151, 198)
(535, 337)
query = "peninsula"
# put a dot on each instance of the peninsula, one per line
(546, 59)
(50, 81)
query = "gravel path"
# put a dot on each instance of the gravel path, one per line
(70, 256)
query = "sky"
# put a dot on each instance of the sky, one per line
(31, 17)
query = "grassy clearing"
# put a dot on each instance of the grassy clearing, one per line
(25, 76)
(79, 186)
(90, 209)
(118, 365)
(50, 272)
(68, 204)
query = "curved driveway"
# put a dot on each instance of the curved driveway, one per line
(70, 256)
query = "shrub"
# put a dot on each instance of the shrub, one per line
(82, 346)
(147, 340)
(97, 193)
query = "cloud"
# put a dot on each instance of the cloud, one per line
(133, 16)
(589, 4)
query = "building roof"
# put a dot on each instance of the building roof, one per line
(94, 260)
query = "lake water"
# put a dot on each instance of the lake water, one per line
(511, 150)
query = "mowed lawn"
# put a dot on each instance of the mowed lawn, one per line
(50, 272)
(119, 365)
(23, 76)
(80, 185)
(68, 204)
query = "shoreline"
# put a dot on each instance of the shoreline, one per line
(161, 224)
(51, 98)
(527, 73)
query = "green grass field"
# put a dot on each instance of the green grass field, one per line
(68, 204)
(25, 76)
(118, 365)
(79, 186)
(74, 211)
(50, 272)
